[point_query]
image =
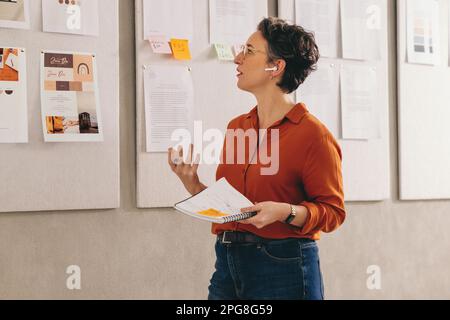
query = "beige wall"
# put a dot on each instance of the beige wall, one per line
(159, 254)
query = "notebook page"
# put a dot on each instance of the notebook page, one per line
(221, 196)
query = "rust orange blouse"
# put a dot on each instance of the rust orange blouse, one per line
(309, 175)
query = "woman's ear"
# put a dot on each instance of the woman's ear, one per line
(278, 69)
(281, 65)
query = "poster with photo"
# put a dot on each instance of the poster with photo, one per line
(15, 14)
(69, 94)
(13, 96)
(72, 17)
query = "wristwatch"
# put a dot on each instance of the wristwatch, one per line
(291, 216)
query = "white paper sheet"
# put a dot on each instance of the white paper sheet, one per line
(321, 17)
(423, 35)
(220, 198)
(15, 14)
(360, 115)
(362, 26)
(169, 104)
(233, 21)
(169, 18)
(69, 97)
(320, 93)
(78, 18)
(13, 96)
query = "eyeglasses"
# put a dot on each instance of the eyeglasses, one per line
(247, 51)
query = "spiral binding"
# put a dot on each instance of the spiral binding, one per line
(237, 217)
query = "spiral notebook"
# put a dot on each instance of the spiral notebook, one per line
(220, 203)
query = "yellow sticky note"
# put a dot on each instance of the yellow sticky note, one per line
(180, 49)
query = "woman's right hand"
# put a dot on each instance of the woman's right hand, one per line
(186, 171)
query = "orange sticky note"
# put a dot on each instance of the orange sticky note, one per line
(180, 49)
(212, 213)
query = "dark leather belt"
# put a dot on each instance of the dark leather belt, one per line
(230, 237)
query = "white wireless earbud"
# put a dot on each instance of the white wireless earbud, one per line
(271, 69)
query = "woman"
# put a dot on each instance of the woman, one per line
(274, 255)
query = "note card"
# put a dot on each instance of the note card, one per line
(160, 44)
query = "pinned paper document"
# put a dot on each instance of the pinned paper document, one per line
(321, 17)
(224, 52)
(173, 18)
(160, 44)
(169, 104)
(360, 115)
(233, 21)
(180, 49)
(13, 96)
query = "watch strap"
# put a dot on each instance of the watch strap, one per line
(291, 216)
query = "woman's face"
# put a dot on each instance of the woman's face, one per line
(250, 71)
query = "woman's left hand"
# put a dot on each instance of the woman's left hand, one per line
(268, 213)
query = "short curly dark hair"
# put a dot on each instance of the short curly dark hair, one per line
(294, 45)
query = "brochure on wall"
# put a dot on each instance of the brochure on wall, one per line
(13, 96)
(69, 94)
(14, 14)
(74, 17)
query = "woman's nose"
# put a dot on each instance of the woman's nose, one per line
(238, 59)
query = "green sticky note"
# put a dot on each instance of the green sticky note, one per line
(224, 52)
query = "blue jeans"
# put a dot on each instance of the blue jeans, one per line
(278, 270)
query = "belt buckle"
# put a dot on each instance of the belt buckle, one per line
(224, 241)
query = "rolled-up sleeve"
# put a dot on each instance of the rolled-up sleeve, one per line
(323, 184)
